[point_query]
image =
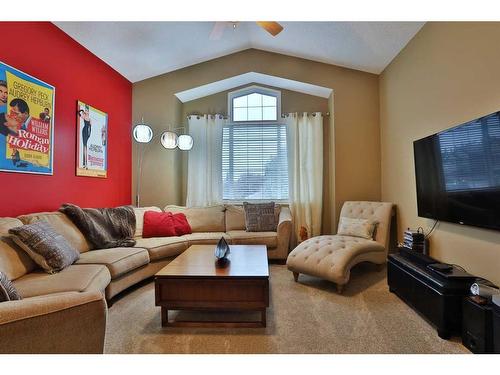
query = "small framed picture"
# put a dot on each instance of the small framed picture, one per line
(91, 141)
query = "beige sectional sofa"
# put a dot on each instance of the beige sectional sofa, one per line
(73, 300)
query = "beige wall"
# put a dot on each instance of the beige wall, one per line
(356, 139)
(291, 101)
(448, 74)
(160, 168)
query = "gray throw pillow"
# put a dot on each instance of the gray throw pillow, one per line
(45, 246)
(260, 217)
(8, 292)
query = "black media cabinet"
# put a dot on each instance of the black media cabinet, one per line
(436, 297)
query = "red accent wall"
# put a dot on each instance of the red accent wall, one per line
(47, 53)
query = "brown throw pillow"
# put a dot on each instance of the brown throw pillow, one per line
(260, 217)
(8, 292)
(45, 246)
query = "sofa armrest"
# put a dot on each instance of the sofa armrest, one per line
(284, 232)
(70, 322)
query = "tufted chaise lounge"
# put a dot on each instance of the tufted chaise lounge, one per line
(331, 257)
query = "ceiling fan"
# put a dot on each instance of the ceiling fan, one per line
(273, 28)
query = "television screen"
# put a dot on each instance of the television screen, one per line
(458, 173)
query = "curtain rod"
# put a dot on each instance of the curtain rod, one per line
(308, 113)
(283, 115)
(209, 114)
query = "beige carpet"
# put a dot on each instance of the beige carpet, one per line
(304, 317)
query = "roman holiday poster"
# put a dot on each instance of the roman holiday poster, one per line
(26, 122)
(92, 139)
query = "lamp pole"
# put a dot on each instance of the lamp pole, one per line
(142, 134)
(138, 177)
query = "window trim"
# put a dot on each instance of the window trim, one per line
(251, 90)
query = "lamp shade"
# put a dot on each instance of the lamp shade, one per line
(185, 142)
(169, 140)
(142, 133)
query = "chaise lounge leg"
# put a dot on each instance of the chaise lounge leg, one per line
(340, 288)
(296, 276)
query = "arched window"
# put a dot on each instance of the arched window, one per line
(254, 149)
(254, 104)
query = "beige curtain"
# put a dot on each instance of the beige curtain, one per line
(204, 183)
(305, 163)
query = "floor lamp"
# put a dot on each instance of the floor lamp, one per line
(143, 134)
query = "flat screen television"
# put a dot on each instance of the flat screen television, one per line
(458, 173)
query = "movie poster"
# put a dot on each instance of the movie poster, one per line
(92, 141)
(26, 122)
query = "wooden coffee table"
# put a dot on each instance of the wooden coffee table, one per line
(193, 282)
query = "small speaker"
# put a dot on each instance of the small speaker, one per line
(477, 327)
(496, 323)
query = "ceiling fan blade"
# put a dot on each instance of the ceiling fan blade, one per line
(273, 28)
(218, 30)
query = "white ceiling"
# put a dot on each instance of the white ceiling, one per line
(139, 50)
(252, 77)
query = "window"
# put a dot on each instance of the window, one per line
(254, 149)
(254, 104)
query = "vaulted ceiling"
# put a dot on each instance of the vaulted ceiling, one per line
(139, 50)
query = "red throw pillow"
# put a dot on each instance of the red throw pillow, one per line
(158, 224)
(181, 224)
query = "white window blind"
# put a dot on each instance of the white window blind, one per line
(471, 154)
(254, 162)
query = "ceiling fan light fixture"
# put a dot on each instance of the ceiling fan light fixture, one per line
(273, 28)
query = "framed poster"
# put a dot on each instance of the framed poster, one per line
(26, 122)
(91, 141)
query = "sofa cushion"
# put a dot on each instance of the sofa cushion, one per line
(363, 228)
(181, 224)
(235, 218)
(158, 224)
(139, 218)
(118, 260)
(162, 247)
(14, 261)
(379, 212)
(205, 238)
(260, 217)
(8, 291)
(49, 249)
(241, 237)
(75, 278)
(62, 225)
(202, 219)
